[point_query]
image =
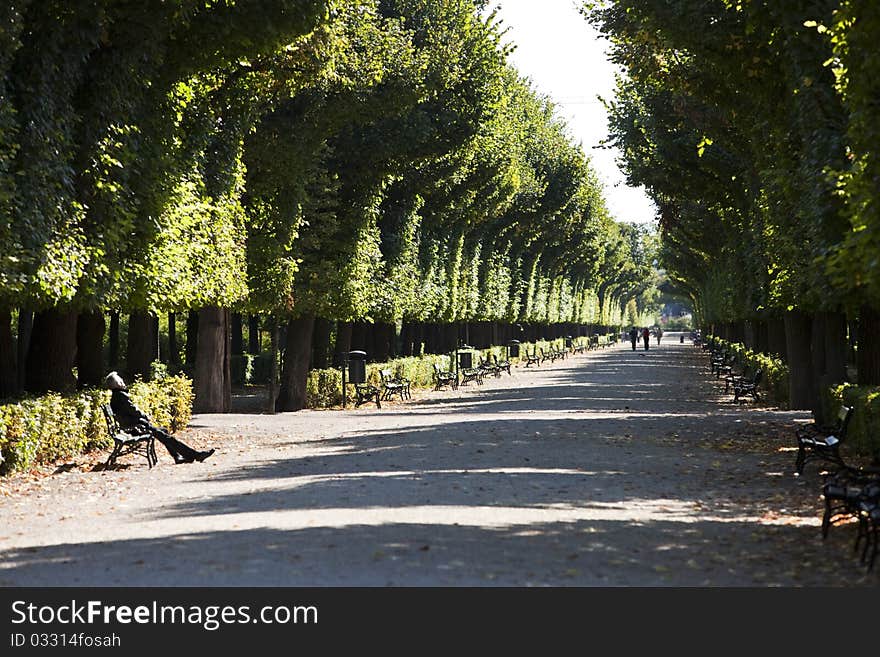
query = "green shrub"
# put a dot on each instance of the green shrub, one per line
(863, 433)
(775, 371)
(43, 429)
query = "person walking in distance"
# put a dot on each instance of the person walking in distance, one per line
(133, 420)
(646, 338)
(634, 336)
(659, 334)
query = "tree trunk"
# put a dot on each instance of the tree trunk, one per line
(173, 355)
(141, 345)
(25, 330)
(237, 338)
(90, 368)
(359, 337)
(273, 370)
(835, 347)
(113, 341)
(295, 371)
(817, 361)
(343, 338)
(801, 380)
(869, 346)
(192, 338)
(762, 337)
(52, 352)
(776, 340)
(254, 346)
(212, 385)
(227, 363)
(321, 344)
(382, 342)
(8, 375)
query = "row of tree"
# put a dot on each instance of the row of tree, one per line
(753, 124)
(336, 160)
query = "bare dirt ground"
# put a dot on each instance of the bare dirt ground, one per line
(615, 468)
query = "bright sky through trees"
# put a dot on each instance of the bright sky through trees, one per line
(565, 59)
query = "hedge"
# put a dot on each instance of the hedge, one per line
(324, 387)
(43, 429)
(863, 433)
(775, 380)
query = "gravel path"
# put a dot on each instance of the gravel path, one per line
(613, 468)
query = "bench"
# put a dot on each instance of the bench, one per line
(489, 367)
(869, 525)
(444, 378)
(842, 493)
(502, 366)
(469, 374)
(392, 385)
(854, 493)
(128, 443)
(365, 393)
(745, 387)
(535, 357)
(822, 442)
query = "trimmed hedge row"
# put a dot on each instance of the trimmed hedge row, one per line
(863, 433)
(775, 370)
(47, 428)
(324, 387)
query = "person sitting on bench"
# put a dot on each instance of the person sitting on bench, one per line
(133, 420)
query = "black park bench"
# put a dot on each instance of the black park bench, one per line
(822, 442)
(128, 443)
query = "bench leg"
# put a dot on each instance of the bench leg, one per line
(111, 460)
(800, 461)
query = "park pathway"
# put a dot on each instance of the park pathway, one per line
(613, 468)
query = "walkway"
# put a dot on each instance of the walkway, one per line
(612, 468)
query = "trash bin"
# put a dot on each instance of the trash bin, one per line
(357, 366)
(513, 349)
(465, 359)
(568, 342)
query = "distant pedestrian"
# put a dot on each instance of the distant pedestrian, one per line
(634, 336)
(646, 337)
(659, 334)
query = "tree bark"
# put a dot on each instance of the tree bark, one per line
(869, 346)
(343, 338)
(254, 334)
(212, 385)
(113, 341)
(273, 370)
(141, 345)
(382, 342)
(817, 362)
(52, 352)
(192, 338)
(295, 370)
(321, 344)
(8, 374)
(358, 337)
(173, 355)
(237, 337)
(800, 366)
(776, 340)
(25, 330)
(762, 337)
(835, 347)
(90, 367)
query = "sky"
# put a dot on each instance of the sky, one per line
(565, 59)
